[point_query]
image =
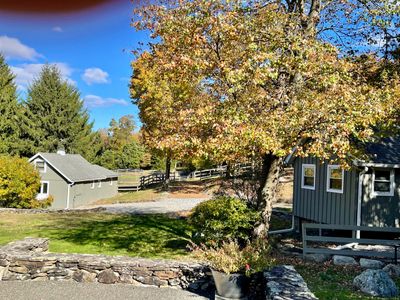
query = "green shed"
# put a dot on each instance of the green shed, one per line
(72, 180)
(366, 195)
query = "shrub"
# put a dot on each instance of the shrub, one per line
(222, 219)
(19, 184)
(231, 258)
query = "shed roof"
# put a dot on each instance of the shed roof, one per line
(385, 151)
(74, 168)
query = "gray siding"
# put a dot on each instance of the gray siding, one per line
(82, 193)
(58, 187)
(319, 205)
(382, 211)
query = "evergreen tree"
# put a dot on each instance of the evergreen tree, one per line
(57, 113)
(14, 125)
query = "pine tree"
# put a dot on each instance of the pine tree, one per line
(57, 112)
(13, 123)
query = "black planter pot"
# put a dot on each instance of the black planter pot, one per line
(231, 286)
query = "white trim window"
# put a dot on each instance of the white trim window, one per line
(308, 176)
(43, 190)
(111, 181)
(99, 184)
(335, 176)
(41, 166)
(383, 182)
(92, 185)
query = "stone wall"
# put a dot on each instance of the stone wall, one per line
(28, 259)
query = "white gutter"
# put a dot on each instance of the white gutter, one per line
(359, 198)
(68, 194)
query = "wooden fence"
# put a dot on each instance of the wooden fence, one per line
(146, 181)
(319, 228)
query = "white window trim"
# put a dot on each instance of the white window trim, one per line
(44, 165)
(99, 184)
(92, 185)
(111, 181)
(42, 195)
(303, 167)
(378, 193)
(328, 179)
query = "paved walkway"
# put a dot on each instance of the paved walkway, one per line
(59, 290)
(154, 207)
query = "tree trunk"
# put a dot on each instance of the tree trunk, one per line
(167, 172)
(267, 193)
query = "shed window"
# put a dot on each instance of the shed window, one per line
(308, 177)
(43, 190)
(99, 184)
(92, 185)
(111, 181)
(335, 179)
(383, 181)
(40, 166)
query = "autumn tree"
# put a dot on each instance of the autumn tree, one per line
(234, 79)
(58, 116)
(122, 149)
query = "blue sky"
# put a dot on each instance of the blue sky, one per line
(91, 48)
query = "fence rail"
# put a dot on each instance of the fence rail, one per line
(307, 238)
(146, 181)
(156, 178)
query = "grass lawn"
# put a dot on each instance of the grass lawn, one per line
(177, 190)
(153, 236)
(132, 178)
(128, 197)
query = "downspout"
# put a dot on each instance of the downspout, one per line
(68, 194)
(359, 199)
(284, 230)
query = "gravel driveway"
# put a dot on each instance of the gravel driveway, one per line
(55, 290)
(155, 207)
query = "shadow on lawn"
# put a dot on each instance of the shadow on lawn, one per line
(145, 236)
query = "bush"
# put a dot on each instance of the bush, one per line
(231, 258)
(19, 184)
(222, 219)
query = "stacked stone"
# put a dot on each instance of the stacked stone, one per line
(27, 260)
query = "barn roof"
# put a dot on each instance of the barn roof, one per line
(74, 168)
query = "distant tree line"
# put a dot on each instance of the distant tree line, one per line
(53, 117)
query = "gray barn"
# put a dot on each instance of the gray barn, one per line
(366, 195)
(72, 180)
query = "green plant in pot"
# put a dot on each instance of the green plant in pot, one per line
(232, 265)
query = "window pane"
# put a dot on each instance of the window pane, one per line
(382, 175)
(382, 186)
(309, 172)
(336, 173)
(335, 184)
(309, 181)
(44, 188)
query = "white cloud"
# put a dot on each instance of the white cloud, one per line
(13, 48)
(26, 73)
(93, 101)
(95, 75)
(57, 29)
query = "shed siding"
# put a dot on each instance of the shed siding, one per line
(322, 206)
(82, 194)
(58, 187)
(382, 211)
